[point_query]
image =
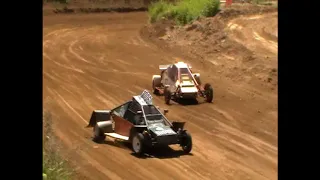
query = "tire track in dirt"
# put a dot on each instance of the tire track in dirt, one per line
(101, 64)
(255, 142)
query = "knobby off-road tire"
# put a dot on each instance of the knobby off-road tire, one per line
(167, 96)
(186, 143)
(138, 144)
(208, 92)
(98, 135)
(156, 92)
(155, 84)
(197, 78)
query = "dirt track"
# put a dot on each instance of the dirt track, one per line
(97, 61)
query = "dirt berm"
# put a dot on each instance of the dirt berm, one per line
(98, 61)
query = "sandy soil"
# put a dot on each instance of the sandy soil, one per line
(97, 61)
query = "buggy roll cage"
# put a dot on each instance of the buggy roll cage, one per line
(143, 113)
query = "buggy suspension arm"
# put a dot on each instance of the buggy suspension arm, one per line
(195, 81)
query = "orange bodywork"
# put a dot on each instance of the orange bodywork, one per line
(122, 126)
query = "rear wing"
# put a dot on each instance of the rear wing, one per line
(164, 67)
(97, 116)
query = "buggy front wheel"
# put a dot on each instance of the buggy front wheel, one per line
(138, 144)
(186, 143)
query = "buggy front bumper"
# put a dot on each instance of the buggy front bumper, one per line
(165, 140)
(188, 92)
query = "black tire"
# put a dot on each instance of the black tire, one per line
(186, 143)
(197, 79)
(167, 96)
(138, 144)
(155, 91)
(208, 90)
(98, 136)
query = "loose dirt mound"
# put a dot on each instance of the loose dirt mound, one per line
(228, 42)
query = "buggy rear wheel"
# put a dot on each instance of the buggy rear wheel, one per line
(138, 144)
(167, 95)
(156, 82)
(98, 135)
(197, 78)
(208, 90)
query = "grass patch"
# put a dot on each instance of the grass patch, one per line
(159, 9)
(264, 2)
(54, 166)
(183, 11)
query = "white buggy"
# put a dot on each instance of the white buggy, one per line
(176, 81)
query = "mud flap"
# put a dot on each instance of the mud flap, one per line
(97, 116)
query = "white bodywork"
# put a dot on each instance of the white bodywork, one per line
(188, 87)
(117, 136)
(189, 90)
(182, 65)
(178, 64)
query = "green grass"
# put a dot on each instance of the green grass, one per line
(54, 166)
(184, 11)
(264, 2)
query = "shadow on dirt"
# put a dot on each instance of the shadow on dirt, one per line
(114, 143)
(190, 102)
(183, 102)
(187, 102)
(160, 153)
